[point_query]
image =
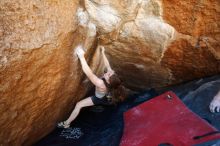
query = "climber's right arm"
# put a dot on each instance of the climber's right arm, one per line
(86, 69)
(106, 62)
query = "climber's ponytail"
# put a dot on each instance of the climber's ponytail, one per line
(117, 90)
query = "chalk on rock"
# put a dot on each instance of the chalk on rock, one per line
(82, 17)
(91, 29)
(79, 51)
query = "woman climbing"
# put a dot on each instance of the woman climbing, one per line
(108, 88)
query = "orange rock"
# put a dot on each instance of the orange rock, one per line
(150, 52)
(39, 77)
(198, 55)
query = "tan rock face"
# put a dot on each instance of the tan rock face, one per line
(135, 37)
(155, 43)
(38, 75)
(196, 52)
(150, 43)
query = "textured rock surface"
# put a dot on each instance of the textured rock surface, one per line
(150, 43)
(196, 53)
(137, 41)
(38, 75)
(155, 43)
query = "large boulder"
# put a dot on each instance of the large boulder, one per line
(196, 52)
(39, 77)
(154, 43)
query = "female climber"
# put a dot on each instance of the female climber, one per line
(108, 89)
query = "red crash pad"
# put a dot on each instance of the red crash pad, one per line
(165, 120)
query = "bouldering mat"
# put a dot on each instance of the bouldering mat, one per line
(165, 120)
